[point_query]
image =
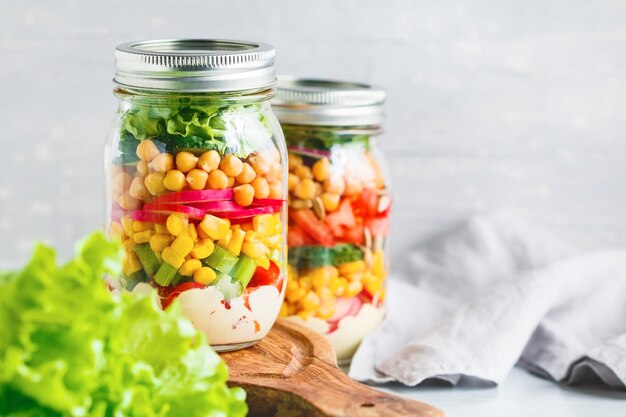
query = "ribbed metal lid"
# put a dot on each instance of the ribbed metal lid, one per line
(195, 65)
(327, 103)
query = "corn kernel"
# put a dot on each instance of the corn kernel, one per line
(374, 286)
(129, 245)
(310, 301)
(292, 284)
(284, 311)
(295, 295)
(182, 245)
(338, 286)
(353, 289)
(236, 241)
(275, 240)
(127, 225)
(351, 267)
(253, 236)
(320, 277)
(326, 311)
(263, 262)
(305, 282)
(330, 201)
(215, 227)
(131, 264)
(141, 226)
(171, 257)
(254, 250)
(143, 237)
(265, 224)
(159, 242)
(325, 294)
(116, 232)
(304, 314)
(192, 232)
(203, 249)
(190, 266)
(161, 229)
(176, 224)
(204, 275)
(223, 242)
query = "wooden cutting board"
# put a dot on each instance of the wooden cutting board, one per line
(293, 372)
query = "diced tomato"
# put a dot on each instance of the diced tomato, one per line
(379, 226)
(367, 203)
(185, 286)
(353, 234)
(297, 237)
(264, 276)
(344, 216)
(318, 230)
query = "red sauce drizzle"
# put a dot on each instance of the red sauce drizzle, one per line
(226, 304)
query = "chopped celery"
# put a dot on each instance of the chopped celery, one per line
(221, 260)
(243, 271)
(230, 289)
(165, 275)
(148, 259)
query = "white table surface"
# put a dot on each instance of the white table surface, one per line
(522, 395)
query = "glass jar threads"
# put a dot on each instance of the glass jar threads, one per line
(339, 207)
(196, 190)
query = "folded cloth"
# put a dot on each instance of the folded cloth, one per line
(472, 303)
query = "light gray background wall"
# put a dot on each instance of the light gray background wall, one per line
(492, 105)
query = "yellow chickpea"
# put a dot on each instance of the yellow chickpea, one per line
(217, 180)
(128, 202)
(292, 181)
(231, 165)
(186, 161)
(275, 172)
(276, 190)
(259, 164)
(303, 172)
(147, 150)
(294, 162)
(335, 185)
(163, 162)
(154, 183)
(174, 180)
(330, 201)
(247, 174)
(209, 161)
(142, 168)
(138, 189)
(261, 188)
(231, 182)
(306, 189)
(120, 184)
(243, 194)
(321, 169)
(197, 179)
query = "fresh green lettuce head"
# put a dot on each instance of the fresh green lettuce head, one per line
(68, 348)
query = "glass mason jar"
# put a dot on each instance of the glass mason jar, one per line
(196, 189)
(339, 207)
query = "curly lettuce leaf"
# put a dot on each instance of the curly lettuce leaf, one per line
(68, 348)
(234, 129)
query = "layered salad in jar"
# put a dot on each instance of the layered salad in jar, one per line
(196, 198)
(339, 208)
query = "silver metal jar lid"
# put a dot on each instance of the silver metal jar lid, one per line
(327, 103)
(195, 65)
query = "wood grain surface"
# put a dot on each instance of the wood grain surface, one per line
(293, 372)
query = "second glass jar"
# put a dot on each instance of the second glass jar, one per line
(339, 205)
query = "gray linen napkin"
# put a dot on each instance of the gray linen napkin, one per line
(497, 291)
